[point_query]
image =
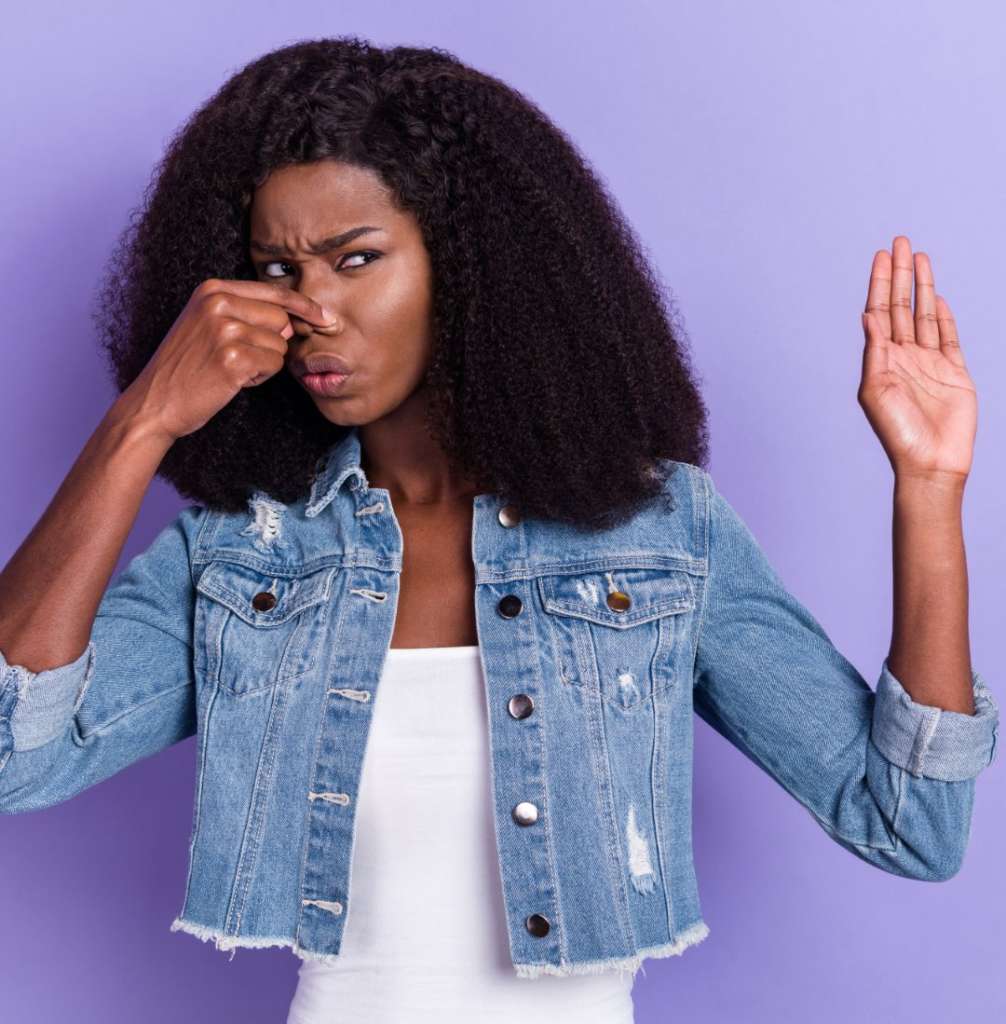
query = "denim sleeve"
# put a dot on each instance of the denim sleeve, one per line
(129, 694)
(888, 779)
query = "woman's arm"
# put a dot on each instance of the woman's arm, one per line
(94, 677)
(230, 335)
(922, 404)
(930, 648)
(52, 585)
(889, 775)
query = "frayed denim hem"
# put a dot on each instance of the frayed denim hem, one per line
(235, 942)
(691, 935)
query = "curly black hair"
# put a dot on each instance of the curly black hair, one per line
(559, 377)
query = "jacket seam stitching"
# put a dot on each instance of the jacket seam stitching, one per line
(106, 726)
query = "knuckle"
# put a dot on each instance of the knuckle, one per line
(229, 329)
(231, 356)
(216, 304)
(209, 286)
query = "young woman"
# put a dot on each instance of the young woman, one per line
(382, 323)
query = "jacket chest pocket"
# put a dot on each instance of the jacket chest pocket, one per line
(621, 631)
(258, 628)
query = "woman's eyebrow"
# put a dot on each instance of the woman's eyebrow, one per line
(317, 248)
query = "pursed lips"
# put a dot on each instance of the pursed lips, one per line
(320, 362)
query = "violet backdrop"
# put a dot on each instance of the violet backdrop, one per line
(763, 152)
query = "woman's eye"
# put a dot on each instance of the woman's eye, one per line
(348, 256)
(359, 252)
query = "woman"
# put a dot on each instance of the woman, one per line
(383, 324)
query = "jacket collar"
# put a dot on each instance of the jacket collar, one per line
(341, 462)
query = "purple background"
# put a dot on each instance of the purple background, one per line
(763, 152)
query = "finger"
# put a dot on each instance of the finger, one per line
(266, 291)
(878, 298)
(257, 337)
(902, 273)
(258, 354)
(259, 313)
(875, 351)
(950, 344)
(927, 329)
(264, 363)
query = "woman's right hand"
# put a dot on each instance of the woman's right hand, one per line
(232, 334)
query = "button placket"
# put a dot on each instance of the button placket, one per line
(520, 706)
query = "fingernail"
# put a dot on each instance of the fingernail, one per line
(328, 315)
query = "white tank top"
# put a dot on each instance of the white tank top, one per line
(425, 936)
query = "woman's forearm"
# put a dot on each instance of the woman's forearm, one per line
(51, 588)
(930, 651)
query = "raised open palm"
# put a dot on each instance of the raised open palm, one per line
(916, 391)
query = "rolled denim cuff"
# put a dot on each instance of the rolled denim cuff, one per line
(930, 741)
(46, 701)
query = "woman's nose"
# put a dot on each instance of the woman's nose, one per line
(304, 329)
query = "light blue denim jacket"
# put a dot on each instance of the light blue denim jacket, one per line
(264, 635)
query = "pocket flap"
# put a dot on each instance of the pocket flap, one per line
(648, 594)
(236, 585)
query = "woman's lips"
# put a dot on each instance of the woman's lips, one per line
(324, 384)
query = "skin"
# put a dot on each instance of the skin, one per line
(380, 288)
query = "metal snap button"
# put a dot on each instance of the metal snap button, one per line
(619, 601)
(509, 515)
(520, 705)
(525, 813)
(509, 606)
(537, 924)
(264, 601)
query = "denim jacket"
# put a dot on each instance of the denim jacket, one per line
(264, 635)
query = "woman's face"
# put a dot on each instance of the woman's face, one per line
(378, 283)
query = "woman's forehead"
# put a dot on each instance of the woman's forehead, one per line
(312, 202)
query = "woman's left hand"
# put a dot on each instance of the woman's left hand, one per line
(916, 391)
